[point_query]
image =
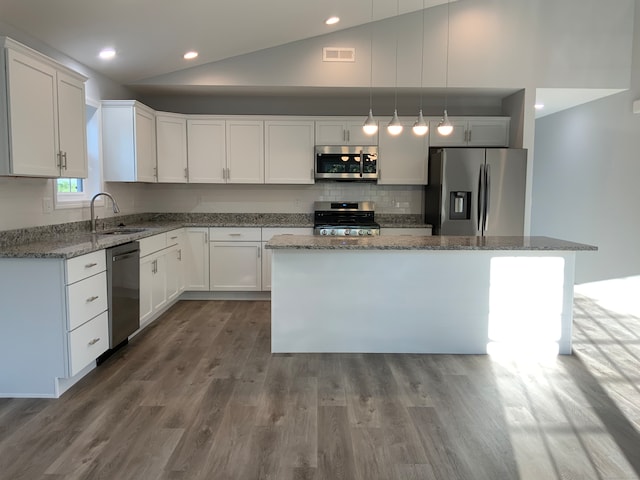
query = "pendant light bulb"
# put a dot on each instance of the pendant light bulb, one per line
(370, 126)
(394, 127)
(420, 127)
(444, 127)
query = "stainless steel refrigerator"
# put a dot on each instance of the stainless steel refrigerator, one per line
(476, 191)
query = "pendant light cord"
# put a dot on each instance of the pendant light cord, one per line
(371, 60)
(422, 56)
(446, 78)
(395, 102)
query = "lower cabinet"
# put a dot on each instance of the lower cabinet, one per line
(161, 273)
(54, 322)
(196, 259)
(267, 234)
(235, 259)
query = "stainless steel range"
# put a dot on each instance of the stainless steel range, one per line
(345, 219)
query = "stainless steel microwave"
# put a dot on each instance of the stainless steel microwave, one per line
(348, 162)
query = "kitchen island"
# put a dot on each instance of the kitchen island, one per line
(422, 294)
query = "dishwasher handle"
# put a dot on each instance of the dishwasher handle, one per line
(124, 256)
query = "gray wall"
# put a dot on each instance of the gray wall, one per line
(585, 182)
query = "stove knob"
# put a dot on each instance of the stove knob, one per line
(347, 231)
(323, 232)
(369, 232)
(333, 232)
(361, 232)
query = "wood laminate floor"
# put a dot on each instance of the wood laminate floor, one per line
(198, 395)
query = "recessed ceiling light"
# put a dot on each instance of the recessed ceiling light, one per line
(190, 55)
(539, 106)
(107, 53)
(332, 20)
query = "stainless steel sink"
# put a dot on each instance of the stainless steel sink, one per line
(121, 231)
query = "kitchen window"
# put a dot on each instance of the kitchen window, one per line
(77, 192)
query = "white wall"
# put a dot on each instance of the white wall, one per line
(585, 183)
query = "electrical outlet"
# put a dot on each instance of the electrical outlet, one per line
(47, 205)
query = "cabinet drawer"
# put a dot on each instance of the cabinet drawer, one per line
(87, 298)
(152, 244)
(269, 232)
(85, 266)
(175, 237)
(226, 234)
(88, 342)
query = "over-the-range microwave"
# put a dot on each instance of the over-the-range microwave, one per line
(338, 162)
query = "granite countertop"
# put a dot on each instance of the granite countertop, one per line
(419, 242)
(72, 240)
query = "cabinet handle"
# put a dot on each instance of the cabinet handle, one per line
(235, 234)
(155, 172)
(89, 265)
(94, 341)
(180, 255)
(228, 174)
(469, 139)
(64, 156)
(59, 157)
(92, 299)
(173, 238)
(186, 173)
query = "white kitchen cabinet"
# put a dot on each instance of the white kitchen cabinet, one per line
(196, 259)
(235, 259)
(42, 125)
(289, 152)
(171, 142)
(245, 151)
(161, 274)
(402, 159)
(206, 147)
(341, 131)
(472, 132)
(267, 233)
(54, 322)
(128, 142)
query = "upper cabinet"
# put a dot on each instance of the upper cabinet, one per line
(343, 132)
(472, 132)
(402, 159)
(206, 147)
(289, 151)
(245, 151)
(42, 115)
(171, 141)
(128, 141)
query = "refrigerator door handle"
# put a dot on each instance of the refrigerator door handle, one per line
(487, 195)
(480, 200)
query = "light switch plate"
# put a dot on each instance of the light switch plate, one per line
(636, 106)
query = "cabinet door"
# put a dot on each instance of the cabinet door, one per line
(145, 144)
(72, 126)
(235, 266)
(488, 132)
(356, 135)
(147, 268)
(32, 101)
(175, 273)
(245, 151)
(266, 267)
(206, 146)
(289, 152)
(159, 283)
(403, 158)
(196, 259)
(171, 140)
(330, 132)
(456, 139)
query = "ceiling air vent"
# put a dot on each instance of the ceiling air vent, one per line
(338, 54)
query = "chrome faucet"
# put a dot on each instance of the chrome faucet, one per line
(93, 213)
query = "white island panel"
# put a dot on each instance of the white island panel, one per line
(421, 301)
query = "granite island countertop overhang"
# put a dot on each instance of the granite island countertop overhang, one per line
(419, 242)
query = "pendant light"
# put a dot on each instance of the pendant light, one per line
(395, 127)
(370, 126)
(421, 127)
(445, 127)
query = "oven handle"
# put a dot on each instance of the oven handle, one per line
(361, 162)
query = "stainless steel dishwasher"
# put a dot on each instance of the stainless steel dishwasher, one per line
(123, 288)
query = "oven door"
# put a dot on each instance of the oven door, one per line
(346, 163)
